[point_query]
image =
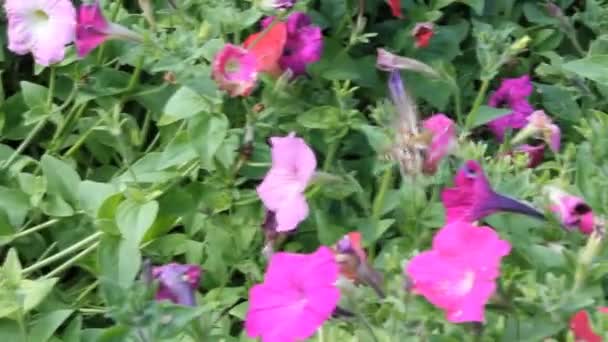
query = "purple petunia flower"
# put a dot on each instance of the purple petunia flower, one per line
(304, 43)
(178, 282)
(513, 94)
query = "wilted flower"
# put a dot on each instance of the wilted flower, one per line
(177, 282)
(234, 70)
(512, 93)
(572, 211)
(535, 153)
(472, 197)
(297, 296)
(304, 44)
(580, 326)
(93, 29)
(541, 126)
(282, 190)
(41, 27)
(455, 277)
(353, 262)
(387, 61)
(395, 6)
(443, 141)
(423, 32)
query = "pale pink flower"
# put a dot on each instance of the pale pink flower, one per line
(455, 277)
(93, 29)
(297, 296)
(282, 190)
(42, 27)
(541, 126)
(443, 141)
(572, 211)
(234, 70)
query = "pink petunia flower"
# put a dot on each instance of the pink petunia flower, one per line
(234, 70)
(41, 27)
(93, 29)
(177, 282)
(443, 140)
(297, 296)
(282, 190)
(422, 33)
(535, 153)
(572, 211)
(580, 325)
(472, 197)
(541, 126)
(512, 93)
(455, 277)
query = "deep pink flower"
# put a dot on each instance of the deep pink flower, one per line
(423, 32)
(512, 93)
(297, 296)
(472, 198)
(304, 43)
(443, 140)
(234, 70)
(282, 190)
(395, 6)
(580, 325)
(177, 282)
(93, 29)
(572, 211)
(455, 277)
(535, 153)
(41, 27)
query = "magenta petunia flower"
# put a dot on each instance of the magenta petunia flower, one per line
(41, 27)
(572, 211)
(282, 190)
(472, 197)
(304, 43)
(541, 126)
(234, 70)
(455, 277)
(512, 93)
(93, 29)
(443, 141)
(535, 153)
(177, 282)
(297, 296)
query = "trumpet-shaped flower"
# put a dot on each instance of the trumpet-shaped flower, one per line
(93, 29)
(512, 93)
(541, 126)
(177, 282)
(387, 61)
(41, 27)
(472, 198)
(234, 70)
(443, 141)
(282, 190)
(422, 33)
(297, 296)
(572, 211)
(304, 43)
(455, 277)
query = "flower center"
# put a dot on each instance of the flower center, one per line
(39, 16)
(232, 66)
(465, 284)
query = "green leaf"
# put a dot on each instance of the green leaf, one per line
(485, 114)
(594, 68)
(119, 261)
(559, 101)
(54, 205)
(11, 269)
(46, 324)
(91, 195)
(178, 152)
(9, 330)
(34, 292)
(207, 133)
(183, 104)
(134, 219)
(61, 178)
(34, 95)
(15, 204)
(324, 117)
(477, 5)
(72, 332)
(118, 333)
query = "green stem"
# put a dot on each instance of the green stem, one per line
(34, 229)
(61, 254)
(86, 291)
(379, 199)
(480, 96)
(49, 100)
(331, 154)
(136, 73)
(72, 260)
(25, 143)
(321, 334)
(82, 139)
